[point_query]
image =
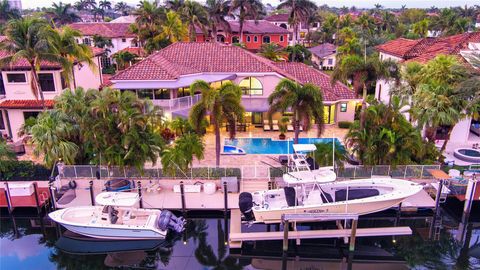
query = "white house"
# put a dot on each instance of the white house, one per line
(324, 55)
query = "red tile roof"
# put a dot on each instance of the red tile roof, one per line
(109, 30)
(305, 74)
(184, 58)
(398, 47)
(283, 17)
(323, 50)
(106, 80)
(252, 27)
(2, 38)
(25, 104)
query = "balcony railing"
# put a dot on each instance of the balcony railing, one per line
(176, 104)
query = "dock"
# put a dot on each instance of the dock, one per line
(38, 198)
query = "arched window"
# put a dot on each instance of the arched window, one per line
(266, 39)
(251, 86)
(221, 38)
(235, 39)
(283, 25)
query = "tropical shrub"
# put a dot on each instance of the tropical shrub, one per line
(22, 170)
(344, 124)
(324, 154)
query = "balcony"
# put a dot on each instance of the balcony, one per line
(176, 104)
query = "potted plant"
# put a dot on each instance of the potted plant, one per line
(282, 127)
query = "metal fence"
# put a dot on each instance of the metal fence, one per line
(241, 172)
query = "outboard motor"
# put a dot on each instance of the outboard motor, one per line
(245, 203)
(168, 220)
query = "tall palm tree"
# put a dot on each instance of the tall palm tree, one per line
(104, 5)
(195, 16)
(305, 101)
(273, 52)
(123, 59)
(180, 156)
(299, 10)
(148, 17)
(123, 8)
(61, 14)
(217, 11)
(246, 9)
(222, 104)
(7, 12)
(173, 28)
(62, 41)
(28, 40)
(421, 28)
(96, 12)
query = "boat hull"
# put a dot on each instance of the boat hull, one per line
(114, 233)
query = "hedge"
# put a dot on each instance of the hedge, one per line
(20, 170)
(344, 124)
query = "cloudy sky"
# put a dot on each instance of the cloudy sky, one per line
(338, 3)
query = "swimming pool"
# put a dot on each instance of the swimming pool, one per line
(269, 146)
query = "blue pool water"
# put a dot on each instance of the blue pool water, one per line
(269, 146)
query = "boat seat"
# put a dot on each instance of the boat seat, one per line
(317, 197)
(353, 194)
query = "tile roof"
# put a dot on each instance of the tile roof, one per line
(323, 50)
(106, 80)
(283, 17)
(182, 58)
(305, 74)
(2, 38)
(252, 27)
(25, 104)
(109, 30)
(398, 47)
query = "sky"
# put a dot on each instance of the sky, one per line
(337, 3)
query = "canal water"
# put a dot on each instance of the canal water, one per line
(28, 242)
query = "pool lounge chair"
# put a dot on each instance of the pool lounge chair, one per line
(266, 125)
(290, 128)
(275, 125)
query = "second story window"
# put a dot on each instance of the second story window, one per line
(46, 82)
(235, 40)
(255, 39)
(124, 40)
(87, 41)
(281, 38)
(248, 38)
(330, 61)
(16, 78)
(266, 39)
(251, 86)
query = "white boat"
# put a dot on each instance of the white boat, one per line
(351, 197)
(117, 218)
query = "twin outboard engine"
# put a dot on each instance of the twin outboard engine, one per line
(245, 203)
(168, 220)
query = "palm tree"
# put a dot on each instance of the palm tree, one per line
(221, 104)
(124, 59)
(180, 156)
(324, 154)
(174, 5)
(7, 12)
(217, 11)
(195, 16)
(173, 28)
(104, 5)
(300, 10)
(123, 8)
(96, 12)
(62, 14)
(181, 126)
(6, 153)
(305, 101)
(28, 40)
(246, 9)
(421, 28)
(62, 42)
(50, 137)
(273, 52)
(149, 17)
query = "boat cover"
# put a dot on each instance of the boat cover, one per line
(124, 199)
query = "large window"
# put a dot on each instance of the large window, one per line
(46, 82)
(251, 86)
(162, 94)
(16, 78)
(329, 114)
(235, 39)
(183, 92)
(2, 86)
(266, 39)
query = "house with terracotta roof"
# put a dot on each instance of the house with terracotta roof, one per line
(255, 34)
(324, 55)
(423, 50)
(165, 77)
(118, 33)
(281, 20)
(17, 101)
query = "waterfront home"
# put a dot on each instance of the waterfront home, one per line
(324, 56)
(118, 33)
(165, 77)
(423, 50)
(17, 101)
(282, 20)
(255, 34)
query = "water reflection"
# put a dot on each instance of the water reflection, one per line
(34, 243)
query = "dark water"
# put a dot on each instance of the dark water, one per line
(29, 243)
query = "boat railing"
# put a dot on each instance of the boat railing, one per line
(244, 172)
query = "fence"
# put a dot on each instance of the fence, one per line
(242, 172)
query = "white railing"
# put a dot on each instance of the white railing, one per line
(175, 104)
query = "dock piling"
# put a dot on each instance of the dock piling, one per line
(52, 194)
(182, 193)
(140, 202)
(469, 198)
(225, 196)
(353, 235)
(286, 226)
(35, 192)
(92, 197)
(9, 199)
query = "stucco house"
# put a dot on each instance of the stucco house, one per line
(255, 34)
(17, 101)
(282, 21)
(165, 77)
(423, 50)
(324, 55)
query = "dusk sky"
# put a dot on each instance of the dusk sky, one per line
(338, 3)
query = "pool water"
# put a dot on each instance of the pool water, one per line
(469, 152)
(269, 146)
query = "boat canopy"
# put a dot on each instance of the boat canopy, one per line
(125, 199)
(304, 147)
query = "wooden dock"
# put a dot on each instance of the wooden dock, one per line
(38, 198)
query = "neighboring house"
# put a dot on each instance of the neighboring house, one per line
(281, 20)
(254, 34)
(124, 19)
(324, 55)
(165, 77)
(17, 102)
(423, 50)
(119, 33)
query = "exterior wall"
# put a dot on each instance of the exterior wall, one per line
(269, 82)
(460, 132)
(24, 91)
(322, 63)
(117, 43)
(251, 45)
(16, 121)
(87, 77)
(349, 115)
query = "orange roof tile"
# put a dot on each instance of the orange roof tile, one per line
(109, 30)
(25, 104)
